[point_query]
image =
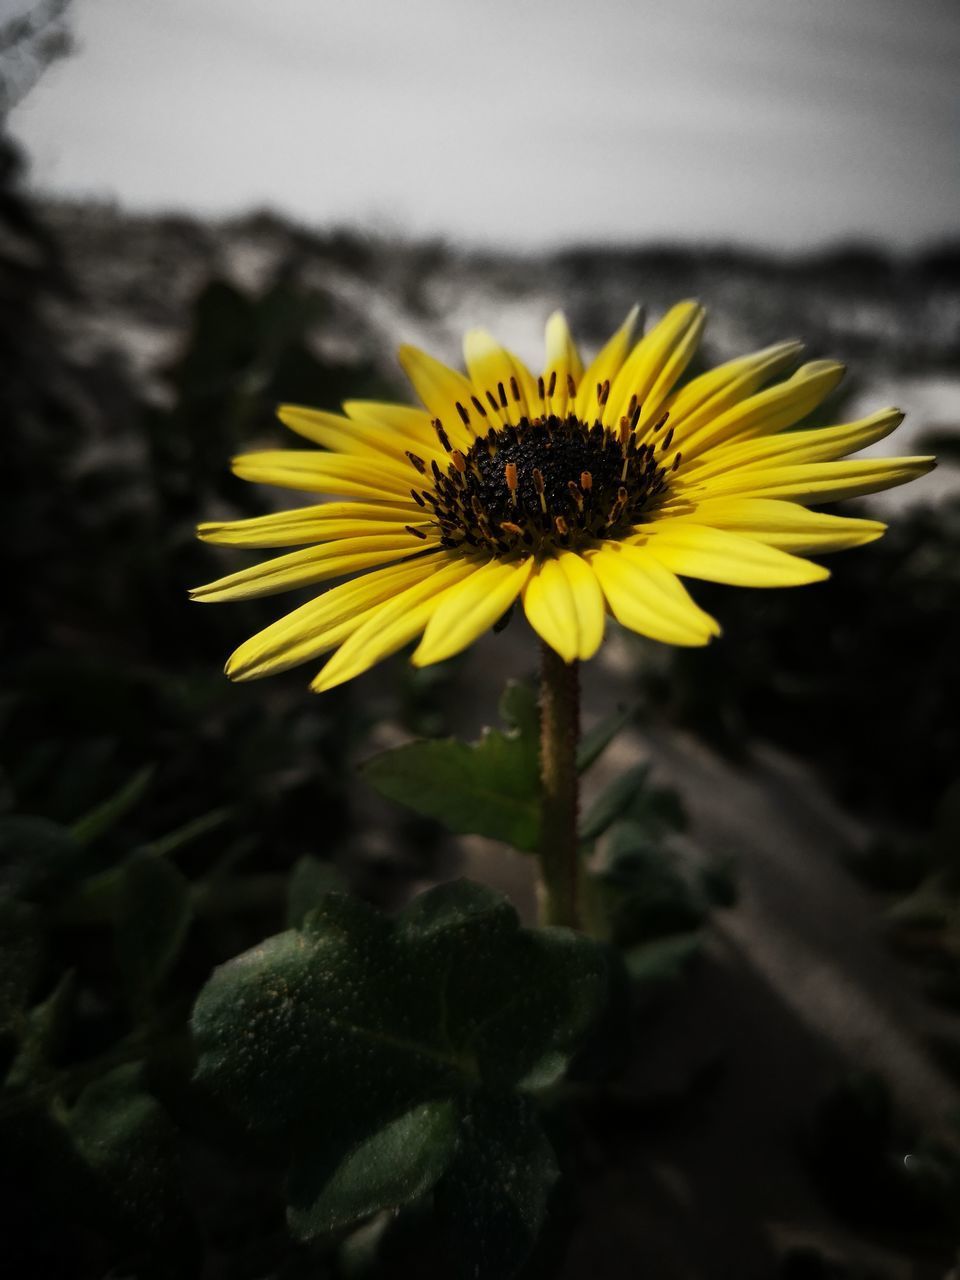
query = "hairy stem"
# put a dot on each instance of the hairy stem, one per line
(559, 732)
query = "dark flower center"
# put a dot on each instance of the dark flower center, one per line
(554, 482)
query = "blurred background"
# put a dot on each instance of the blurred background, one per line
(206, 208)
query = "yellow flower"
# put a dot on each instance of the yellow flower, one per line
(579, 492)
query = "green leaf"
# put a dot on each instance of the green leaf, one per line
(658, 810)
(174, 841)
(663, 960)
(153, 915)
(42, 1033)
(39, 859)
(21, 950)
(357, 1018)
(593, 744)
(392, 1167)
(489, 788)
(642, 892)
(310, 881)
(495, 1194)
(129, 1147)
(341, 1037)
(99, 821)
(613, 802)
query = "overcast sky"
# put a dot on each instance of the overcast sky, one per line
(772, 122)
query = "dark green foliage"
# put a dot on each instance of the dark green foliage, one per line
(153, 916)
(495, 1194)
(20, 957)
(877, 1172)
(595, 742)
(396, 1164)
(413, 1037)
(129, 1147)
(922, 881)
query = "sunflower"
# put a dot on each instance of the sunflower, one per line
(579, 492)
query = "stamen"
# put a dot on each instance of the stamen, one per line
(477, 404)
(464, 416)
(604, 392)
(492, 401)
(515, 388)
(541, 392)
(553, 383)
(502, 394)
(515, 490)
(418, 462)
(571, 387)
(667, 440)
(417, 533)
(442, 435)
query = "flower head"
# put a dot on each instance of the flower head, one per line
(581, 493)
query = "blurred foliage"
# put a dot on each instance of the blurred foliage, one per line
(876, 1172)
(921, 881)
(29, 42)
(859, 675)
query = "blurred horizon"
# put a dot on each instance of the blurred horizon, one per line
(762, 126)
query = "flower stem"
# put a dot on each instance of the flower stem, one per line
(559, 732)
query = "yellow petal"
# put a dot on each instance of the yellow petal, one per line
(469, 609)
(604, 368)
(313, 564)
(562, 363)
(766, 412)
(708, 395)
(326, 473)
(655, 363)
(646, 597)
(320, 523)
(499, 377)
(818, 445)
(403, 419)
(352, 436)
(717, 555)
(564, 605)
(785, 525)
(673, 366)
(817, 481)
(390, 626)
(323, 623)
(445, 392)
